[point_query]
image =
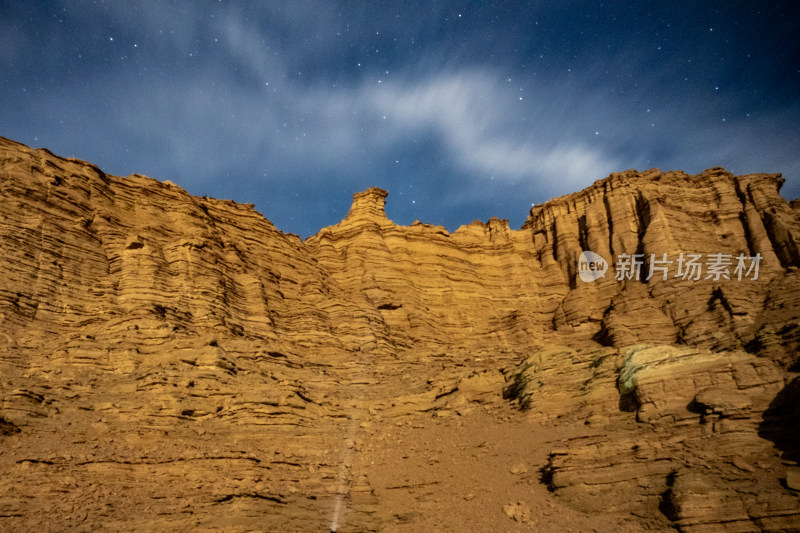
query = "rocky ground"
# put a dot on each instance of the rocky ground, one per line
(217, 439)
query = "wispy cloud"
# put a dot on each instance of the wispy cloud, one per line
(489, 130)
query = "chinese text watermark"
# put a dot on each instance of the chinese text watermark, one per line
(693, 267)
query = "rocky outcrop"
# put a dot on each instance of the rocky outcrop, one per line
(174, 362)
(693, 458)
(85, 247)
(514, 287)
(672, 213)
(478, 284)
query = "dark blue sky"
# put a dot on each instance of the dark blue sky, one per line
(461, 110)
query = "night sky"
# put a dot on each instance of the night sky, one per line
(461, 110)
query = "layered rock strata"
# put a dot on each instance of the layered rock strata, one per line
(174, 362)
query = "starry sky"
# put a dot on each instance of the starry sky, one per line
(461, 110)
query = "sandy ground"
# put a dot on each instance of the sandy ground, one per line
(479, 472)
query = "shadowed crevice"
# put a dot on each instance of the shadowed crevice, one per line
(781, 421)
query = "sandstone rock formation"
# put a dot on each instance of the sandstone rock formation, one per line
(173, 362)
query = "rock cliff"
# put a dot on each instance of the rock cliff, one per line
(174, 362)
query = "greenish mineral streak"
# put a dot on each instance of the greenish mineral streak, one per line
(627, 376)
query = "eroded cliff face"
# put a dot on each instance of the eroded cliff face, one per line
(169, 361)
(477, 285)
(488, 283)
(672, 213)
(81, 246)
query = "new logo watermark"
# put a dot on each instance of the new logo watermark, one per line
(716, 267)
(591, 266)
